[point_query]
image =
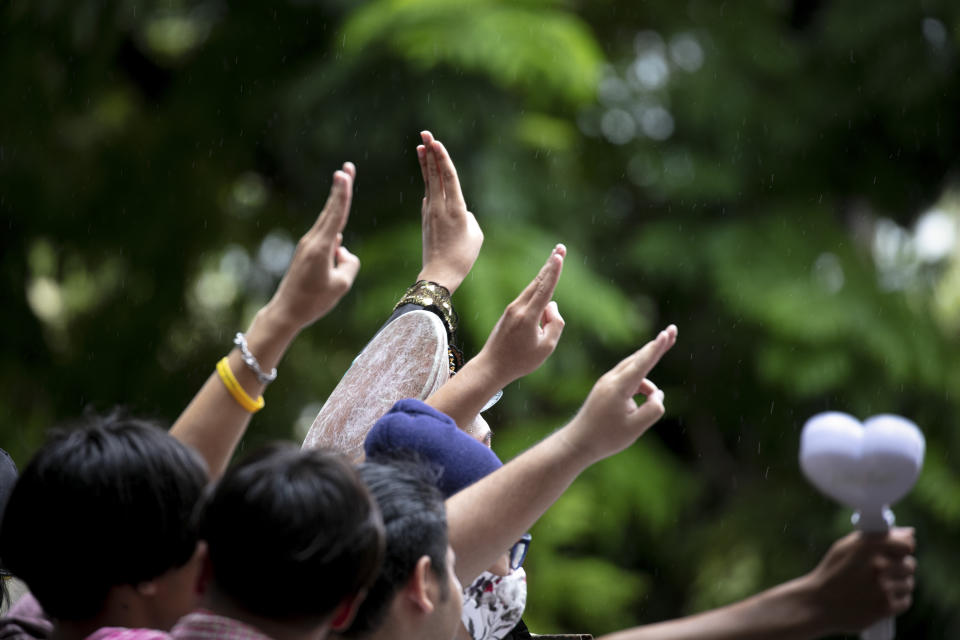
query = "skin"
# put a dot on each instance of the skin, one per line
(861, 579)
(489, 516)
(152, 604)
(523, 338)
(320, 274)
(451, 235)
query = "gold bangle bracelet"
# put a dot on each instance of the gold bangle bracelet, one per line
(433, 297)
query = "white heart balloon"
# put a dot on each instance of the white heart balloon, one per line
(865, 466)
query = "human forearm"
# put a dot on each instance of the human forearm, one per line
(320, 273)
(464, 395)
(785, 612)
(213, 422)
(522, 339)
(488, 517)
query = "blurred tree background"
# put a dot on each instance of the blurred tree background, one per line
(779, 178)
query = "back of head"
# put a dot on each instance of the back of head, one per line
(416, 524)
(109, 503)
(300, 522)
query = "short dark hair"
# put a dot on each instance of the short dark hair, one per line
(416, 522)
(111, 502)
(300, 521)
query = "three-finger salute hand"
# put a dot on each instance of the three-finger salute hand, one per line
(610, 419)
(530, 327)
(322, 269)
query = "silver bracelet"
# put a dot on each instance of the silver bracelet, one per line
(251, 361)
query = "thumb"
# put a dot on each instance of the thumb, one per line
(552, 322)
(347, 264)
(648, 413)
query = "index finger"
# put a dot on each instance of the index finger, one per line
(333, 218)
(451, 182)
(434, 183)
(540, 290)
(632, 370)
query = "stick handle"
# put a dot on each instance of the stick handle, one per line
(876, 522)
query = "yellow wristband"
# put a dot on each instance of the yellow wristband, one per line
(238, 392)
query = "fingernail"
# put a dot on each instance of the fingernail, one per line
(421, 151)
(658, 394)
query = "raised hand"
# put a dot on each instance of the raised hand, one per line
(322, 269)
(864, 578)
(610, 419)
(530, 327)
(522, 339)
(451, 236)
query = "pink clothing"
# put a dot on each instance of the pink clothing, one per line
(25, 621)
(204, 625)
(123, 633)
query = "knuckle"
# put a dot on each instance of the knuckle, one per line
(513, 311)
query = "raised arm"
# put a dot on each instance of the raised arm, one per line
(489, 516)
(321, 272)
(451, 236)
(401, 360)
(522, 339)
(860, 580)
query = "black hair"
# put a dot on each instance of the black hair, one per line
(108, 503)
(300, 521)
(416, 523)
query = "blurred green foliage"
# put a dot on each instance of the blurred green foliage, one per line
(778, 178)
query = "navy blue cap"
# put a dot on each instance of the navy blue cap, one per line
(414, 426)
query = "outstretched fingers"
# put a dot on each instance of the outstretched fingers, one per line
(540, 290)
(632, 371)
(434, 183)
(422, 161)
(451, 182)
(333, 217)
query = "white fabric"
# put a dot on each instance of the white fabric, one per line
(407, 359)
(493, 604)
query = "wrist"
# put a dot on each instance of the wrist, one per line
(271, 332)
(574, 437)
(807, 603)
(486, 376)
(449, 279)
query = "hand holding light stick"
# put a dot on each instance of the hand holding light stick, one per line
(866, 467)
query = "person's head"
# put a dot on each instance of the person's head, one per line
(460, 459)
(417, 579)
(105, 513)
(293, 537)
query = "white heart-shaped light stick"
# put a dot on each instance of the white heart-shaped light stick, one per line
(865, 466)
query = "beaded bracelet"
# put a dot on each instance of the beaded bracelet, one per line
(238, 392)
(432, 297)
(251, 361)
